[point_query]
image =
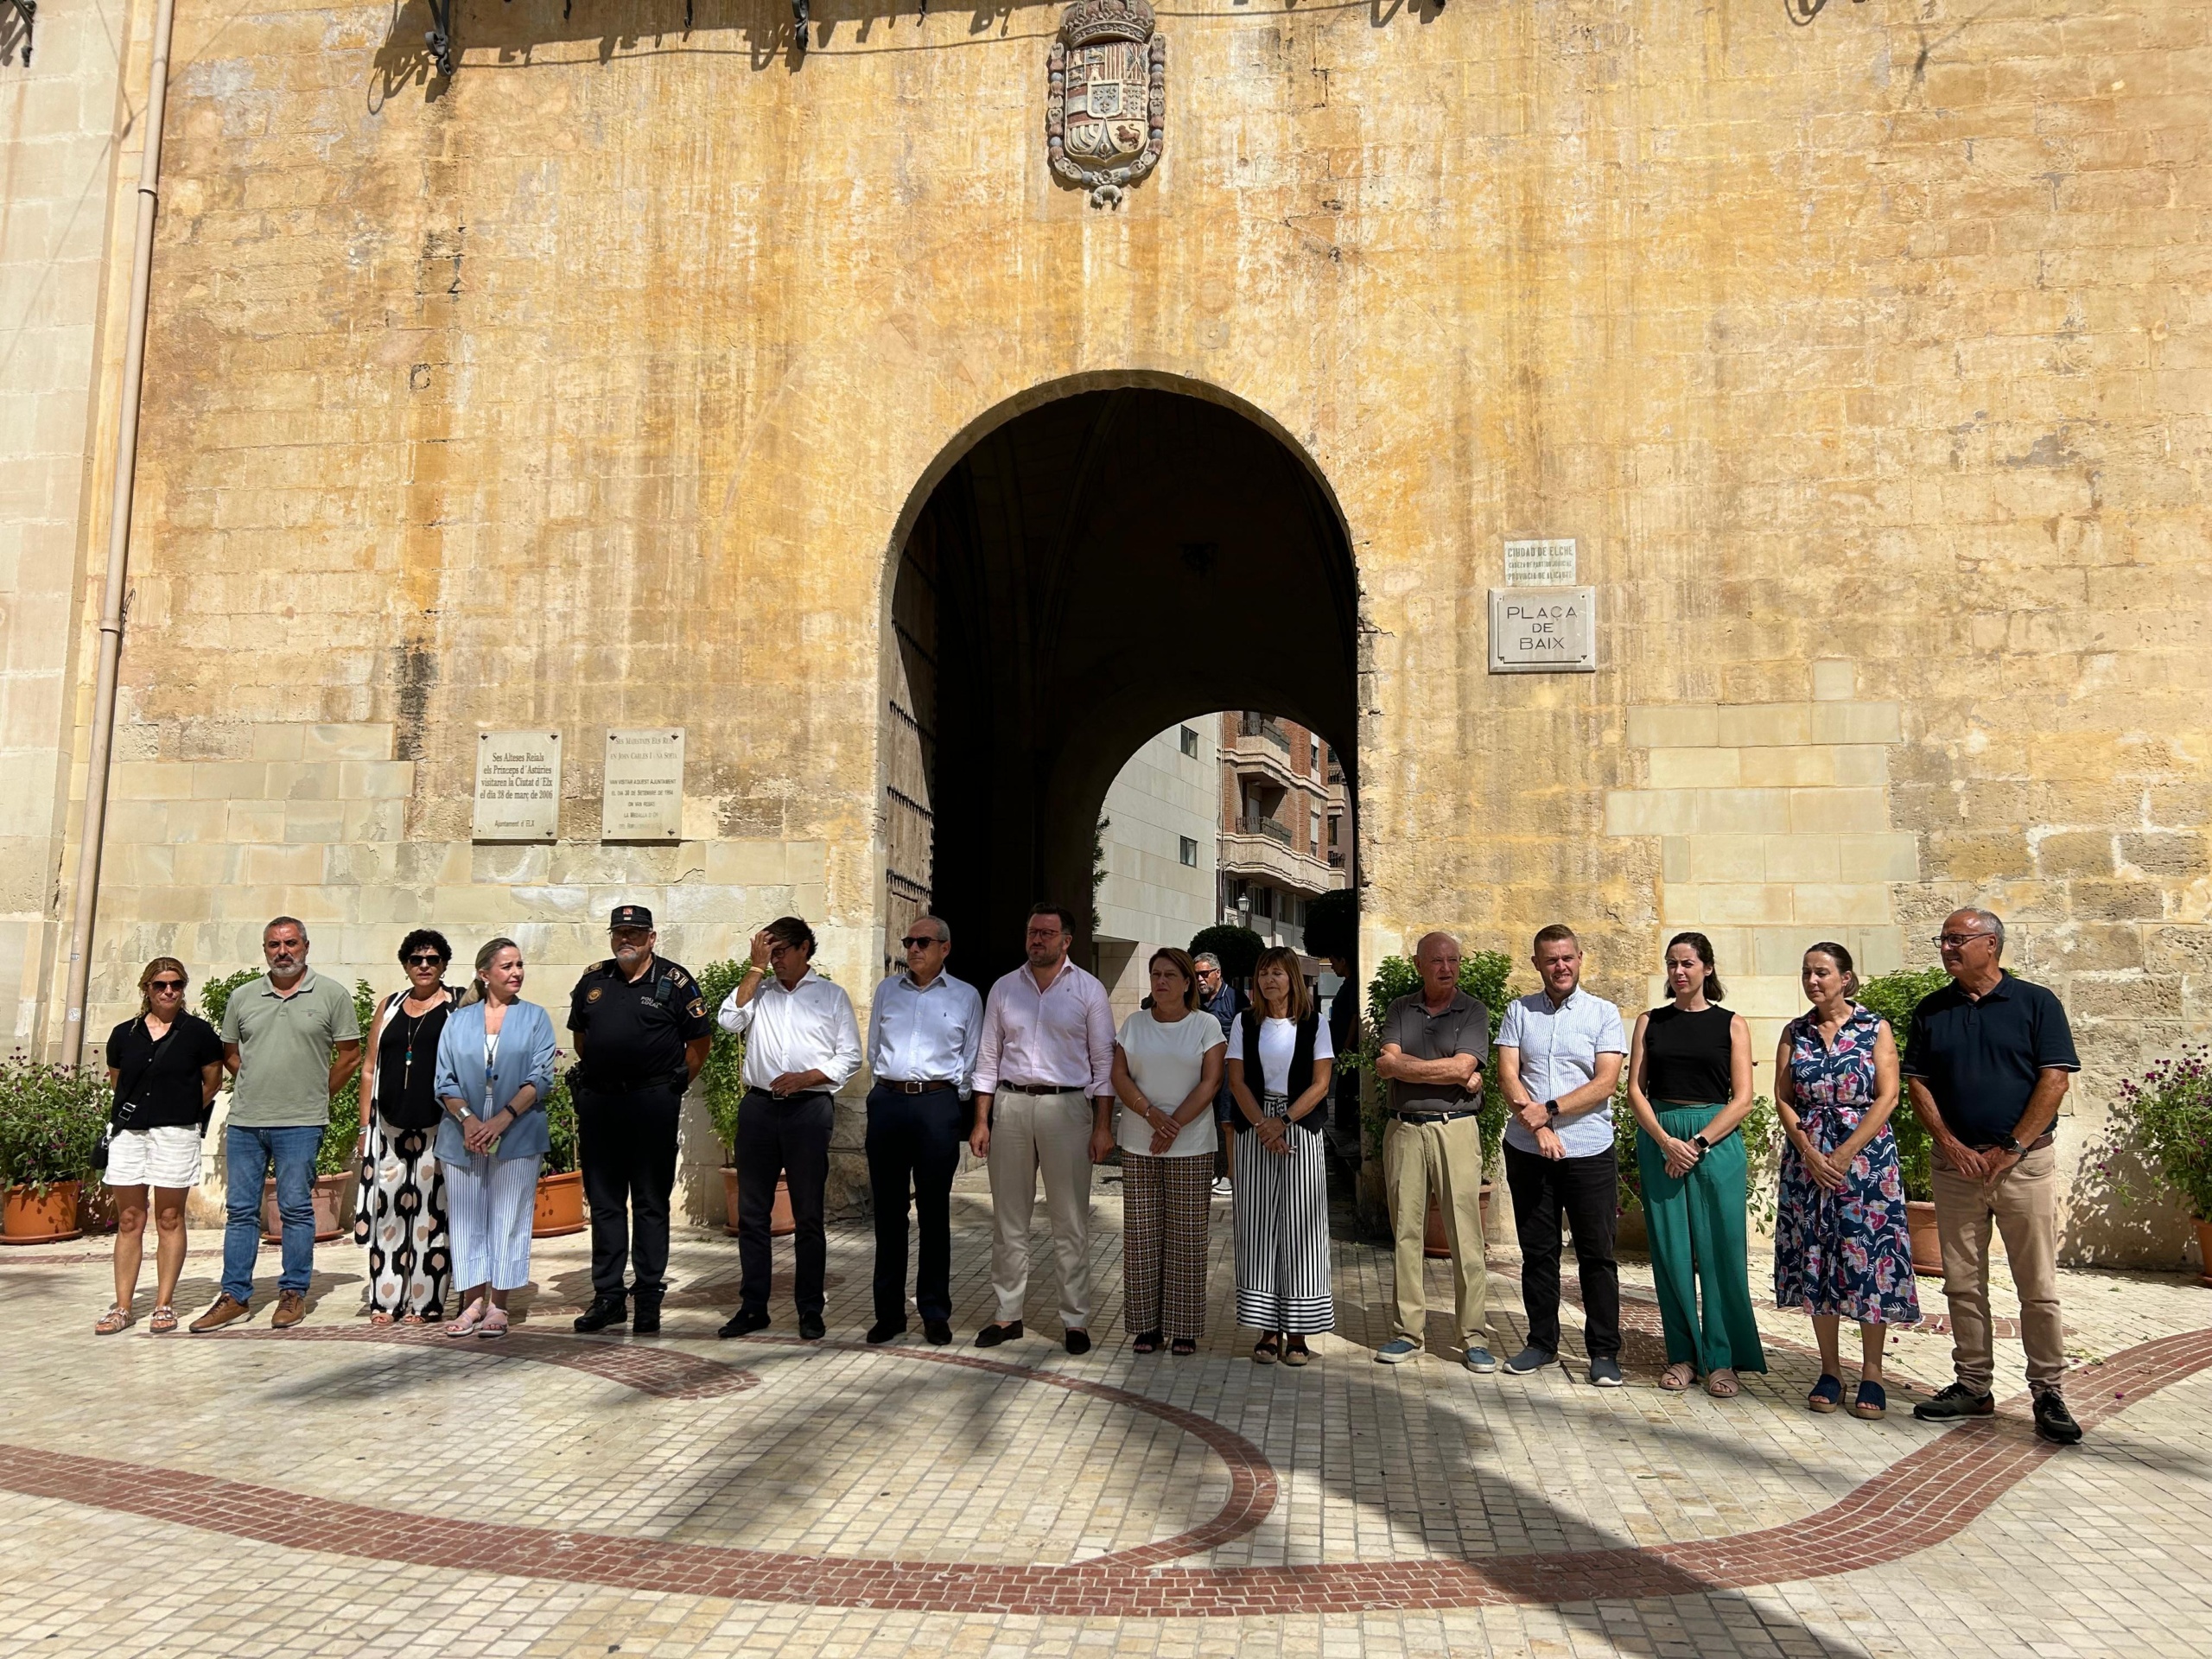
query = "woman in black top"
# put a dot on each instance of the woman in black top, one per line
(401, 1215)
(165, 1067)
(1689, 1083)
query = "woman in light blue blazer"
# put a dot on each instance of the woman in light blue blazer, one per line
(495, 1068)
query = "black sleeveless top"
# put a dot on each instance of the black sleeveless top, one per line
(406, 1095)
(1686, 1056)
(1301, 1065)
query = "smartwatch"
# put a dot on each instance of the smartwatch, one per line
(1551, 1108)
(1700, 1142)
(2009, 1144)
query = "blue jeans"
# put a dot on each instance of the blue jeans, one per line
(248, 1153)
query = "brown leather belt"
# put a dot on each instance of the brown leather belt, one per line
(2042, 1141)
(918, 1085)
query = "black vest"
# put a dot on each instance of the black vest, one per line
(1301, 1066)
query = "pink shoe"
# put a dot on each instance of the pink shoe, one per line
(466, 1324)
(495, 1322)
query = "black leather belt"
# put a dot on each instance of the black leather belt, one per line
(678, 1081)
(917, 1085)
(2045, 1139)
(1042, 1088)
(796, 1094)
(1437, 1118)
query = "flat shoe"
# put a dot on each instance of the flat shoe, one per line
(1721, 1385)
(466, 1324)
(1183, 1347)
(163, 1322)
(495, 1324)
(1677, 1377)
(116, 1318)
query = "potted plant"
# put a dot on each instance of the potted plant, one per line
(1482, 975)
(2166, 1114)
(1894, 996)
(722, 1079)
(50, 1122)
(560, 1182)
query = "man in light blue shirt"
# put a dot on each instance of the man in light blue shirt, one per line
(1559, 1051)
(922, 1031)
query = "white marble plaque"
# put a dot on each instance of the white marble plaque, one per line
(1540, 564)
(642, 797)
(518, 785)
(1543, 631)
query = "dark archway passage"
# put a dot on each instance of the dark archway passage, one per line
(1087, 574)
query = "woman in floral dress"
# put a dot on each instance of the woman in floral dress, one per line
(1841, 1246)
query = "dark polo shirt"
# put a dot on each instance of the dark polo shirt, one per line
(1462, 1028)
(1980, 1058)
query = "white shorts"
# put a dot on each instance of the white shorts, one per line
(167, 1156)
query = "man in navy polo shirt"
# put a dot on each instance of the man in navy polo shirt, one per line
(1988, 1060)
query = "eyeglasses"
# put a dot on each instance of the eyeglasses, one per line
(423, 960)
(1957, 941)
(164, 984)
(913, 943)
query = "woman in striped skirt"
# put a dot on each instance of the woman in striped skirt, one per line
(1282, 1182)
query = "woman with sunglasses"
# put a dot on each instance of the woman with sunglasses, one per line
(164, 1067)
(401, 1213)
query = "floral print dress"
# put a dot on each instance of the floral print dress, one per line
(1844, 1255)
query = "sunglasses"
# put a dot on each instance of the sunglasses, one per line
(164, 984)
(913, 943)
(426, 962)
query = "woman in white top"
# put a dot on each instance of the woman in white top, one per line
(1282, 1182)
(1167, 1072)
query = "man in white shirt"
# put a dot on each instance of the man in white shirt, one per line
(1559, 1059)
(1047, 1062)
(923, 1029)
(802, 1044)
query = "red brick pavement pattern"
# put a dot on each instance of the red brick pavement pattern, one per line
(1922, 1499)
(664, 1373)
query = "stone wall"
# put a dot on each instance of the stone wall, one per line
(1866, 357)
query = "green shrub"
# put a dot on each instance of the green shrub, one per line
(560, 1123)
(1238, 948)
(1894, 995)
(50, 1122)
(722, 1076)
(1482, 975)
(2166, 1114)
(215, 994)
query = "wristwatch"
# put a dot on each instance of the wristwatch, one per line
(2009, 1144)
(1551, 1108)
(1700, 1142)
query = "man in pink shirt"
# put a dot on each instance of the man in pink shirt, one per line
(1047, 1062)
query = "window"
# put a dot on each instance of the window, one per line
(1189, 850)
(1189, 739)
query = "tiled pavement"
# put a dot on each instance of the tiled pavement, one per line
(336, 1490)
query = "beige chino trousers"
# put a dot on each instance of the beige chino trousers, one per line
(2023, 1202)
(1445, 1159)
(1049, 1134)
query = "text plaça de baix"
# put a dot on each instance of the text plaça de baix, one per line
(1542, 627)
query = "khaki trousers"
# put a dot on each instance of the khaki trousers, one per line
(1445, 1159)
(2023, 1202)
(1051, 1134)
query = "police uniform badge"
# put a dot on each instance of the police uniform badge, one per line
(595, 993)
(698, 1009)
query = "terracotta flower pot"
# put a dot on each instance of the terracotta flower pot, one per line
(1926, 1243)
(2204, 1252)
(1436, 1243)
(560, 1205)
(780, 1223)
(29, 1219)
(328, 1195)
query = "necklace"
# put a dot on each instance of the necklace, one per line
(414, 1027)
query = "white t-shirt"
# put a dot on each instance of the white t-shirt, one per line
(1278, 1042)
(1165, 1059)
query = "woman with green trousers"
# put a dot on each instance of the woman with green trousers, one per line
(1689, 1071)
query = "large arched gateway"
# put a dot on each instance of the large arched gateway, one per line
(1081, 574)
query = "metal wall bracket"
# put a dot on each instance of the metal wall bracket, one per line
(27, 11)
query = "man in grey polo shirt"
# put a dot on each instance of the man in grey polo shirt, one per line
(291, 1042)
(1559, 1051)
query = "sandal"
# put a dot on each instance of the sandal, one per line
(1827, 1395)
(1183, 1347)
(1295, 1352)
(163, 1322)
(1872, 1400)
(1677, 1377)
(1265, 1351)
(1147, 1343)
(412, 1319)
(466, 1324)
(1721, 1385)
(116, 1318)
(495, 1322)
(379, 1318)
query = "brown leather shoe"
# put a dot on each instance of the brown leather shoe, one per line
(226, 1311)
(291, 1308)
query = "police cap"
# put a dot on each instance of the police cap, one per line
(630, 916)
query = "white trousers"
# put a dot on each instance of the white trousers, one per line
(1051, 1134)
(490, 1203)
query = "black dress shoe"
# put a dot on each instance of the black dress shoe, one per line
(603, 1311)
(645, 1315)
(809, 1326)
(2053, 1422)
(1078, 1342)
(879, 1333)
(1955, 1401)
(992, 1335)
(744, 1322)
(940, 1331)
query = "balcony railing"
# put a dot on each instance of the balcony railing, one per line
(1261, 826)
(1261, 726)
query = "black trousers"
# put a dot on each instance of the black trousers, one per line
(1587, 1190)
(788, 1138)
(913, 1139)
(626, 1147)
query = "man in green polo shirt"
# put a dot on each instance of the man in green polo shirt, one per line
(291, 1042)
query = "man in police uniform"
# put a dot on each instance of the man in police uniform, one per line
(642, 1033)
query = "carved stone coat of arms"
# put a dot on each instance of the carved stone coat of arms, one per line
(1106, 107)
